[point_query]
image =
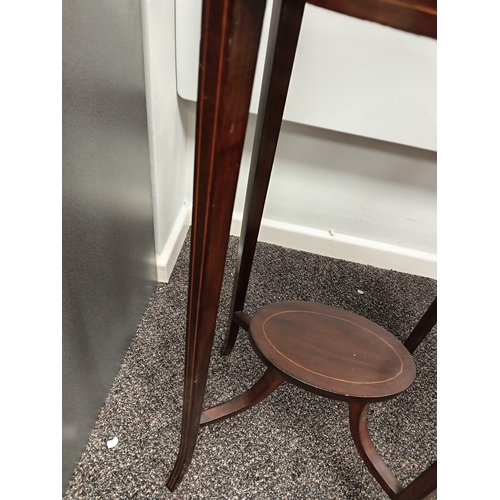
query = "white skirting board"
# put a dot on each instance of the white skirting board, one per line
(342, 246)
(339, 246)
(166, 260)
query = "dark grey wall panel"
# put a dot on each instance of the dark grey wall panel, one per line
(108, 245)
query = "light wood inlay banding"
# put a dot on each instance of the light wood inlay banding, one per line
(332, 351)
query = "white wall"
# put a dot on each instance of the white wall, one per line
(167, 136)
(349, 75)
(377, 197)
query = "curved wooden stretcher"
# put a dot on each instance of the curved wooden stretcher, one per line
(229, 45)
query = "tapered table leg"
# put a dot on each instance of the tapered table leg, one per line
(229, 45)
(424, 326)
(284, 33)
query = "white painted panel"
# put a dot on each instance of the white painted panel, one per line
(166, 133)
(357, 187)
(349, 76)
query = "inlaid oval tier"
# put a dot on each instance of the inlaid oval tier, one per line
(331, 351)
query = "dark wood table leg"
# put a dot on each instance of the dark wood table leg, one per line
(378, 468)
(421, 488)
(230, 39)
(284, 33)
(267, 384)
(425, 485)
(424, 326)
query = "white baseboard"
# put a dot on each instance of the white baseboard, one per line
(339, 246)
(344, 247)
(166, 260)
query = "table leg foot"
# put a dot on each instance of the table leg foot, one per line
(181, 466)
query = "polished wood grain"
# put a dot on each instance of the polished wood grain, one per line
(332, 352)
(231, 32)
(415, 16)
(424, 326)
(284, 33)
(268, 383)
(229, 45)
(340, 355)
(358, 423)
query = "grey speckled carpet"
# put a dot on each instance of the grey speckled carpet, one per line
(293, 445)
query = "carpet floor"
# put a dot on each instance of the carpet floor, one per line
(293, 445)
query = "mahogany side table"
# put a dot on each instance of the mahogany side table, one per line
(229, 45)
